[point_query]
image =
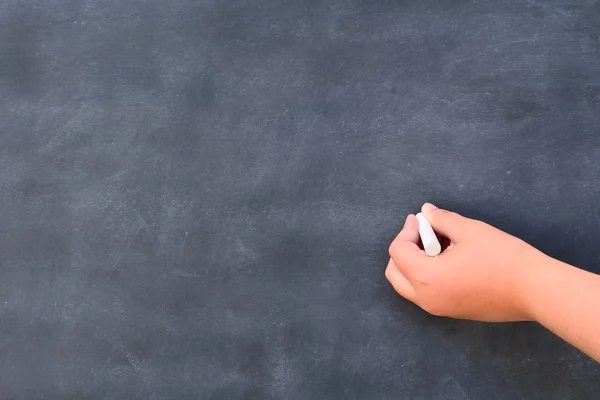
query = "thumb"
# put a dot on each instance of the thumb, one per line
(447, 223)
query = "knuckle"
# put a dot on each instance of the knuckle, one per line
(453, 214)
(393, 249)
(388, 273)
(475, 223)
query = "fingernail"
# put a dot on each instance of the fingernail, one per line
(428, 207)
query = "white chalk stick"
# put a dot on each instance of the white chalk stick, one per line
(430, 242)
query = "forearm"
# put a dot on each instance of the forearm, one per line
(566, 300)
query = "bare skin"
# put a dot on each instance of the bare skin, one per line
(488, 275)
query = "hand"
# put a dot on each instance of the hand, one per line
(479, 276)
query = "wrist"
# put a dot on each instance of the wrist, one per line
(534, 268)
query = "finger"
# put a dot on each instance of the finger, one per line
(405, 250)
(449, 224)
(410, 231)
(408, 257)
(399, 281)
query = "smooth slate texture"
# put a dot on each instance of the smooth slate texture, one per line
(196, 197)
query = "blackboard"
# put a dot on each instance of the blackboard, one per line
(197, 197)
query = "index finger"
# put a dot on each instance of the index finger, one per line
(410, 231)
(405, 250)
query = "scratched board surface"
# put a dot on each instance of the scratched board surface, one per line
(196, 197)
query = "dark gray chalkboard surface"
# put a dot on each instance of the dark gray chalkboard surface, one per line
(197, 197)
